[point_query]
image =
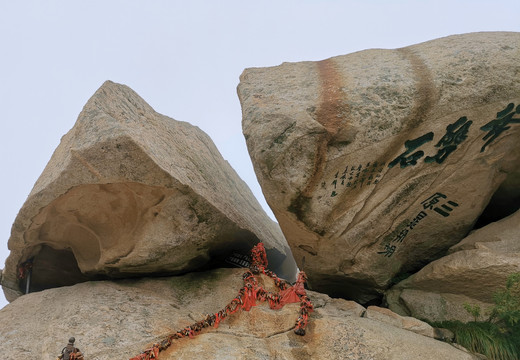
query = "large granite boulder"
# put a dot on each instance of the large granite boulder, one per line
(129, 191)
(474, 270)
(375, 163)
(117, 320)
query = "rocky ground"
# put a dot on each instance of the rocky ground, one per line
(117, 320)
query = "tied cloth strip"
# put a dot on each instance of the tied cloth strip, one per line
(24, 269)
(247, 298)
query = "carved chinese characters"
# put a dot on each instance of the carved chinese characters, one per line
(498, 126)
(431, 203)
(455, 134)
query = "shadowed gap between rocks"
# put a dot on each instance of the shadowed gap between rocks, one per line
(52, 268)
(504, 202)
(347, 289)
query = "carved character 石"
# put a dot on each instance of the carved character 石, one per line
(404, 159)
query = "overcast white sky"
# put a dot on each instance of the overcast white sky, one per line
(184, 58)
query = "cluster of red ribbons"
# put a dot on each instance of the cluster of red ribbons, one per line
(24, 268)
(247, 298)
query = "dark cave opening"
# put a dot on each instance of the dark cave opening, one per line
(504, 202)
(52, 268)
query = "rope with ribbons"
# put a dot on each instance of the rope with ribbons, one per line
(247, 297)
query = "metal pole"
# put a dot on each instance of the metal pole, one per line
(28, 281)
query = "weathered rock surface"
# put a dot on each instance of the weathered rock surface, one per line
(375, 163)
(117, 320)
(404, 322)
(129, 191)
(475, 269)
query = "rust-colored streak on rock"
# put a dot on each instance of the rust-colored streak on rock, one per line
(332, 109)
(426, 94)
(331, 114)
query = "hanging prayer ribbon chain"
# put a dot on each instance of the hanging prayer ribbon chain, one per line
(247, 297)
